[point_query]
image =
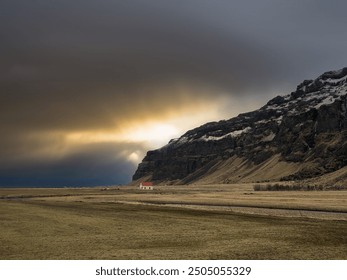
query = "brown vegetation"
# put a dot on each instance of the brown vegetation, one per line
(295, 187)
(118, 224)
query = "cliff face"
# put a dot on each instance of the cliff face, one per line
(299, 135)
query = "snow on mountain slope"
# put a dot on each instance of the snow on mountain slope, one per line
(306, 127)
(310, 94)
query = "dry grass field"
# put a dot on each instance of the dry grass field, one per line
(181, 222)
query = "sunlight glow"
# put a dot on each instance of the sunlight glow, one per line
(134, 157)
(157, 133)
(153, 133)
(143, 135)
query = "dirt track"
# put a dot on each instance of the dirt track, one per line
(277, 212)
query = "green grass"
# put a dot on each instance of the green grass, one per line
(48, 229)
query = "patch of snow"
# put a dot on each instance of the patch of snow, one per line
(341, 90)
(182, 140)
(262, 121)
(178, 141)
(292, 112)
(312, 95)
(234, 133)
(285, 105)
(268, 138)
(286, 97)
(327, 101)
(334, 81)
(272, 107)
(279, 120)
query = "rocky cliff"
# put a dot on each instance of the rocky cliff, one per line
(296, 136)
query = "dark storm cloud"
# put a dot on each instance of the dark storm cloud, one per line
(65, 58)
(86, 165)
(101, 65)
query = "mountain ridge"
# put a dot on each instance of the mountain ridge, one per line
(297, 136)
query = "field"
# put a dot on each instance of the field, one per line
(182, 222)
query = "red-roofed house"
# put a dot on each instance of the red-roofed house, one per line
(146, 186)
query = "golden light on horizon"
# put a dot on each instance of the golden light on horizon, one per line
(153, 135)
(140, 135)
(156, 133)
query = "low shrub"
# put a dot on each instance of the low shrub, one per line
(295, 187)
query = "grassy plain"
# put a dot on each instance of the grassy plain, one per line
(184, 222)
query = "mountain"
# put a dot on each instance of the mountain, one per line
(297, 136)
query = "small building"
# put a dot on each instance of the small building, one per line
(146, 186)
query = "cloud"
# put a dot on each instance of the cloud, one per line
(86, 165)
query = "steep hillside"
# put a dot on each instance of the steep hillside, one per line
(297, 136)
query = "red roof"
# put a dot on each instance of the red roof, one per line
(147, 184)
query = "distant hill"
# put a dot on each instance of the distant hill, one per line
(298, 136)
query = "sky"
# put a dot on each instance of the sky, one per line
(87, 87)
